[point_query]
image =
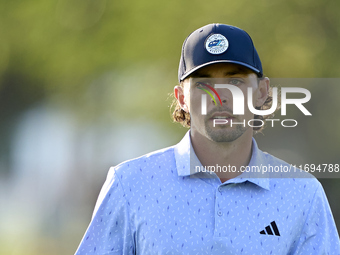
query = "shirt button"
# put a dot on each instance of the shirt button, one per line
(219, 213)
(220, 189)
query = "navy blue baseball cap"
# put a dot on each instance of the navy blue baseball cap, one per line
(218, 43)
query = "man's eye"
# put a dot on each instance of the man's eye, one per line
(201, 84)
(235, 82)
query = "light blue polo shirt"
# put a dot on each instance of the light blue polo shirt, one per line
(152, 205)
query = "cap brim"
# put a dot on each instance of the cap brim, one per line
(257, 71)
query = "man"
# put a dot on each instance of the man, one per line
(161, 203)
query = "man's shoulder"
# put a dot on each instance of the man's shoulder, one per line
(294, 176)
(144, 164)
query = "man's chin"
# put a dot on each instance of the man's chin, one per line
(224, 135)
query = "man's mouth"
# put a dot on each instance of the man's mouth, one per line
(222, 115)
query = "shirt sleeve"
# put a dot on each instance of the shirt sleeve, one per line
(109, 232)
(319, 235)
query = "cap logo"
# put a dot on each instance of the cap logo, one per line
(216, 44)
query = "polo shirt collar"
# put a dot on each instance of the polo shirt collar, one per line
(182, 156)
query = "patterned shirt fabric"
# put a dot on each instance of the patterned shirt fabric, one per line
(153, 205)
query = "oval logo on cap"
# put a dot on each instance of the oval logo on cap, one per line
(216, 44)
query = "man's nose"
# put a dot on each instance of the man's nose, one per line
(224, 100)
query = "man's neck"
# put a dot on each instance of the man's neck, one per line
(231, 155)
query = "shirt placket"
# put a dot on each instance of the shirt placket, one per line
(222, 214)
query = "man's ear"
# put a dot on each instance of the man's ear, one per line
(262, 91)
(181, 99)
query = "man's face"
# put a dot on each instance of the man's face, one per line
(232, 74)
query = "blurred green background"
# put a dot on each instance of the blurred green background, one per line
(84, 85)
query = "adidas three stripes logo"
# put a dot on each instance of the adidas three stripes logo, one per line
(269, 229)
